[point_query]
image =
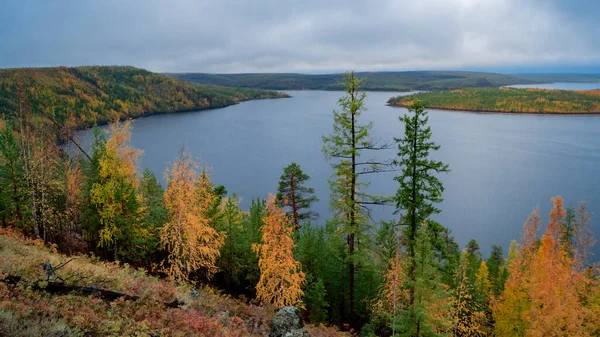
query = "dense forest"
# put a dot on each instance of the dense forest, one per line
(507, 100)
(89, 95)
(140, 259)
(376, 81)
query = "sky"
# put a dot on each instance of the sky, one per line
(306, 36)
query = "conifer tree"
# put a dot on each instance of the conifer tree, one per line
(419, 189)
(13, 192)
(281, 277)
(428, 310)
(344, 146)
(114, 195)
(192, 244)
(293, 193)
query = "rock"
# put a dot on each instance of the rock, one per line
(288, 323)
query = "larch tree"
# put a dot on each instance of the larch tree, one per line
(345, 145)
(115, 193)
(281, 276)
(188, 237)
(294, 194)
(468, 313)
(420, 190)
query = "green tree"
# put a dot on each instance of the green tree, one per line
(419, 189)
(231, 262)
(429, 311)
(13, 194)
(293, 193)
(155, 213)
(345, 145)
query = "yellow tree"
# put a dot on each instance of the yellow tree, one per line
(468, 315)
(192, 243)
(281, 276)
(115, 193)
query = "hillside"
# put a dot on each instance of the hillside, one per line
(112, 300)
(507, 100)
(376, 81)
(103, 93)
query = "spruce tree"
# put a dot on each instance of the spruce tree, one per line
(293, 193)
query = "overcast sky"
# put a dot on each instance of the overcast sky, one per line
(312, 36)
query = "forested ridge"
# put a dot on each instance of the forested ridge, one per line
(507, 100)
(90, 245)
(98, 94)
(376, 81)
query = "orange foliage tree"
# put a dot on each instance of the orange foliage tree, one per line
(281, 276)
(189, 238)
(545, 294)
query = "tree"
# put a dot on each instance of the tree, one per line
(419, 189)
(281, 277)
(231, 262)
(13, 192)
(190, 241)
(293, 194)
(114, 195)
(151, 194)
(427, 310)
(468, 315)
(345, 145)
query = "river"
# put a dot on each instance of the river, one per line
(502, 165)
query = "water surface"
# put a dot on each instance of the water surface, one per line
(502, 165)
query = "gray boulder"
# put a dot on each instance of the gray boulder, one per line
(288, 323)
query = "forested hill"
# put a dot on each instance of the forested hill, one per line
(507, 100)
(102, 93)
(376, 81)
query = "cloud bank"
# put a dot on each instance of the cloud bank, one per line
(314, 36)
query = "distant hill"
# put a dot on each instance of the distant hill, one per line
(507, 100)
(97, 94)
(376, 81)
(562, 77)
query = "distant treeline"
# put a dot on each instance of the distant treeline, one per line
(376, 81)
(507, 100)
(98, 94)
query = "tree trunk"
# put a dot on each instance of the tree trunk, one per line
(353, 206)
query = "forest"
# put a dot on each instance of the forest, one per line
(83, 96)
(375, 81)
(90, 245)
(507, 100)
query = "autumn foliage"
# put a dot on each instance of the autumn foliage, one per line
(189, 238)
(281, 276)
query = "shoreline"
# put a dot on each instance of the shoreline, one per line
(499, 112)
(148, 114)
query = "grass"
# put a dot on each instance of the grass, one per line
(25, 311)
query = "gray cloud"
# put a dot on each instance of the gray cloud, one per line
(299, 36)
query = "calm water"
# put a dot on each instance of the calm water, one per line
(502, 165)
(560, 86)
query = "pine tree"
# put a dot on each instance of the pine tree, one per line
(293, 193)
(192, 244)
(281, 277)
(345, 145)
